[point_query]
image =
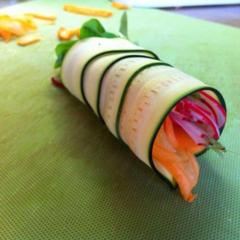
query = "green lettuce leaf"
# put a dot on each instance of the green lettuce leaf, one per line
(61, 50)
(124, 25)
(91, 28)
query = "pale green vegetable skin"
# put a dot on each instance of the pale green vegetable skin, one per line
(81, 52)
(94, 72)
(136, 92)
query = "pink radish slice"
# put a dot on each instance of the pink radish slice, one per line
(56, 82)
(202, 107)
(205, 118)
(219, 110)
(205, 107)
(196, 133)
(204, 104)
(181, 108)
(199, 115)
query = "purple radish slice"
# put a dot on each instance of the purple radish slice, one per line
(181, 108)
(205, 106)
(203, 103)
(196, 133)
(218, 109)
(200, 115)
(57, 82)
(194, 113)
(197, 104)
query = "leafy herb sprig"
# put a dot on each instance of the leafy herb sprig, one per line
(91, 28)
(216, 146)
(124, 25)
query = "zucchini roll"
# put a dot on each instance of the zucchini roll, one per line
(165, 116)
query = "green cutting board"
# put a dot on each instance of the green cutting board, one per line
(64, 176)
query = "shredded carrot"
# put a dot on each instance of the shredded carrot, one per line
(51, 18)
(11, 26)
(64, 34)
(181, 163)
(185, 142)
(87, 11)
(120, 6)
(75, 31)
(168, 127)
(5, 17)
(28, 40)
(47, 22)
(5, 35)
(27, 22)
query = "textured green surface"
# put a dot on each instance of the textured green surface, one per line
(62, 174)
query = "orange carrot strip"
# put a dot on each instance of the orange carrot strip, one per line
(120, 6)
(87, 11)
(26, 22)
(179, 171)
(5, 35)
(28, 40)
(75, 31)
(13, 27)
(168, 127)
(180, 163)
(64, 34)
(185, 142)
(42, 16)
(5, 17)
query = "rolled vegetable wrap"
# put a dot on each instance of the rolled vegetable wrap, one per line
(83, 53)
(163, 115)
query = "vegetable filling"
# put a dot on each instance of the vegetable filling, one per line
(193, 125)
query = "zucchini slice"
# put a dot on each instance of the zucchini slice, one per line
(143, 115)
(216, 94)
(130, 89)
(83, 51)
(114, 87)
(153, 101)
(94, 70)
